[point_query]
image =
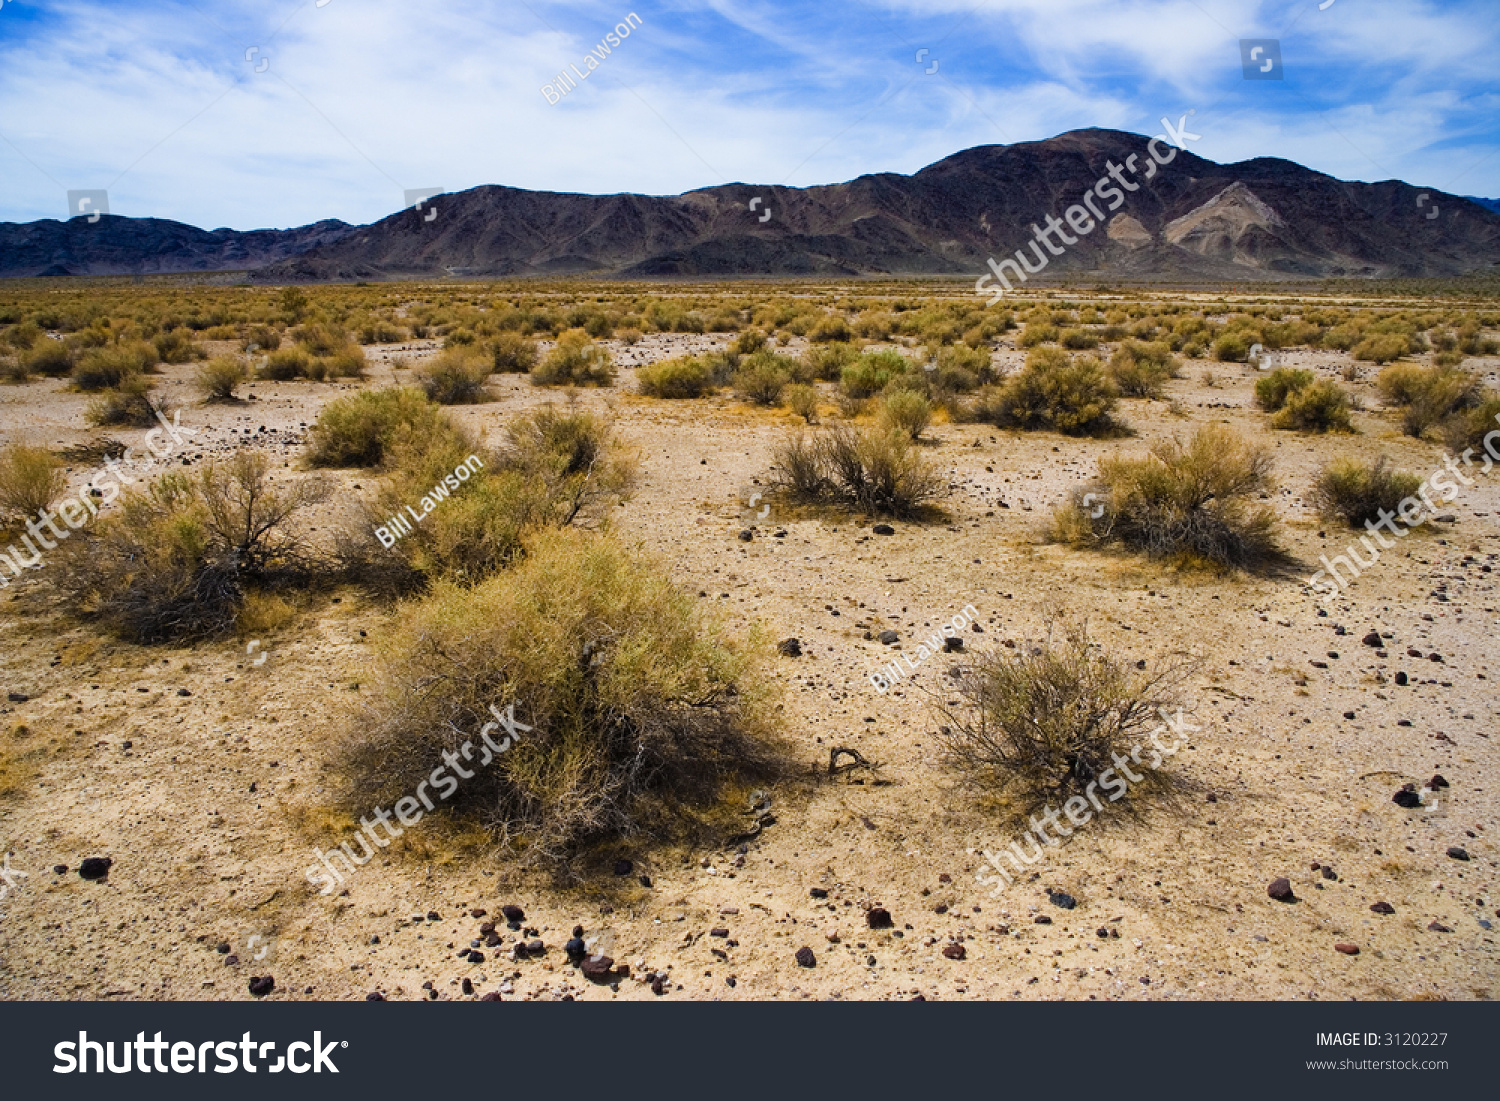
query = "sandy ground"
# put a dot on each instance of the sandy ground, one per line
(200, 773)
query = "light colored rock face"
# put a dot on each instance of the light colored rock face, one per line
(1127, 231)
(1218, 227)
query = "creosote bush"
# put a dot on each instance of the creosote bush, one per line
(130, 404)
(574, 361)
(1051, 721)
(1428, 396)
(1052, 391)
(1322, 406)
(679, 377)
(218, 378)
(1355, 492)
(1192, 502)
(456, 376)
(172, 563)
(646, 718)
(514, 354)
(356, 430)
(762, 377)
(31, 478)
(907, 412)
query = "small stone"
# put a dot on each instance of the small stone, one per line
(223, 949)
(718, 931)
(597, 968)
(375, 996)
(1329, 873)
(575, 949)
(492, 996)
(261, 985)
(536, 948)
(818, 892)
(1373, 639)
(790, 647)
(623, 867)
(1401, 679)
(95, 867)
(231, 961)
(658, 986)
(880, 918)
(1437, 783)
(479, 914)
(468, 986)
(883, 529)
(1281, 890)
(1438, 927)
(59, 869)
(1406, 798)
(1348, 714)
(746, 535)
(1062, 899)
(805, 957)
(955, 951)
(1458, 853)
(1041, 919)
(1382, 908)
(433, 915)
(889, 637)
(953, 645)
(513, 912)
(1347, 949)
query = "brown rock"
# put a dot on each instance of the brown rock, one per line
(1281, 890)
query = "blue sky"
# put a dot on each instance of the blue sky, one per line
(357, 100)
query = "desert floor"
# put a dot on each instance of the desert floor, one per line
(201, 773)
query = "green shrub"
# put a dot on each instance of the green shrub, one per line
(873, 372)
(639, 716)
(574, 361)
(827, 361)
(1322, 406)
(1356, 492)
(49, 358)
(1382, 348)
(1078, 339)
(1196, 501)
(358, 429)
(1141, 370)
(906, 412)
(514, 354)
(177, 346)
(261, 338)
(218, 378)
(1052, 391)
(31, 478)
(802, 399)
(321, 338)
(762, 377)
(830, 328)
(680, 377)
(1468, 430)
(960, 368)
(1273, 390)
(748, 342)
(285, 364)
(1233, 347)
(1049, 721)
(456, 377)
(345, 362)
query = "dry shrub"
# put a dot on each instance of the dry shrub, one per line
(802, 399)
(644, 717)
(356, 430)
(574, 361)
(1322, 406)
(1356, 492)
(172, 562)
(131, 405)
(31, 478)
(907, 412)
(1469, 431)
(762, 377)
(1140, 370)
(1428, 395)
(826, 362)
(285, 364)
(1049, 721)
(680, 377)
(49, 358)
(101, 368)
(1272, 391)
(456, 377)
(877, 470)
(177, 346)
(1190, 502)
(218, 378)
(872, 372)
(1382, 348)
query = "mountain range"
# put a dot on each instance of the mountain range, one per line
(1261, 219)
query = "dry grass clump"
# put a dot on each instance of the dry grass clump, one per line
(575, 361)
(1193, 502)
(31, 478)
(878, 470)
(1054, 720)
(172, 562)
(641, 716)
(1428, 395)
(456, 377)
(357, 430)
(219, 377)
(1052, 391)
(679, 377)
(1356, 492)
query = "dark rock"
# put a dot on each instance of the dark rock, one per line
(492, 996)
(1348, 714)
(1329, 873)
(1437, 783)
(1435, 657)
(623, 867)
(719, 931)
(261, 985)
(513, 912)
(644, 881)
(883, 529)
(1373, 639)
(597, 968)
(1347, 949)
(1281, 890)
(955, 951)
(818, 892)
(1458, 853)
(1382, 908)
(888, 637)
(231, 961)
(952, 645)
(1406, 798)
(433, 915)
(790, 647)
(746, 535)
(536, 948)
(805, 957)
(1041, 919)
(375, 996)
(1401, 679)
(879, 918)
(1062, 899)
(468, 986)
(223, 949)
(658, 986)
(59, 869)
(575, 949)
(1413, 653)
(1438, 927)
(95, 867)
